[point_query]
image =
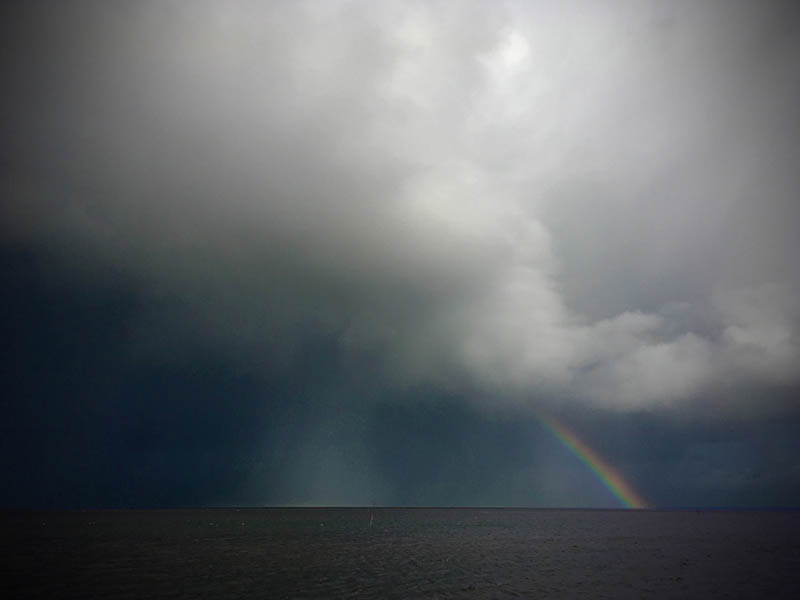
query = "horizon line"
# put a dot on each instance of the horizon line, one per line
(396, 506)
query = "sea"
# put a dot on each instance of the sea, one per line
(400, 553)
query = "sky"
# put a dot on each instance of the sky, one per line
(358, 253)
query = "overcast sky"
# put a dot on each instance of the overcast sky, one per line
(346, 252)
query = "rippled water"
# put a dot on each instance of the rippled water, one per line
(402, 553)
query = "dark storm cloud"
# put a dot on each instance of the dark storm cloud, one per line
(587, 206)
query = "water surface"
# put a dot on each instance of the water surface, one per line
(401, 553)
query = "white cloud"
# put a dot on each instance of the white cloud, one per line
(515, 194)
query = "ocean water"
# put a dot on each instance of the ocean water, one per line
(400, 553)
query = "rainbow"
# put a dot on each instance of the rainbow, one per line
(615, 483)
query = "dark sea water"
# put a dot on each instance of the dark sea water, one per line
(401, 553)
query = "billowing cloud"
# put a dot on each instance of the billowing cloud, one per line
(596, 202)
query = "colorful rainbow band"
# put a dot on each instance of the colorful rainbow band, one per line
(615, 483)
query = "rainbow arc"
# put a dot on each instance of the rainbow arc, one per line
(610, 477)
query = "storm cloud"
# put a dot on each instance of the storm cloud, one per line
(508, 205)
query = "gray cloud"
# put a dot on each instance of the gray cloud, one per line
(593, 202)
